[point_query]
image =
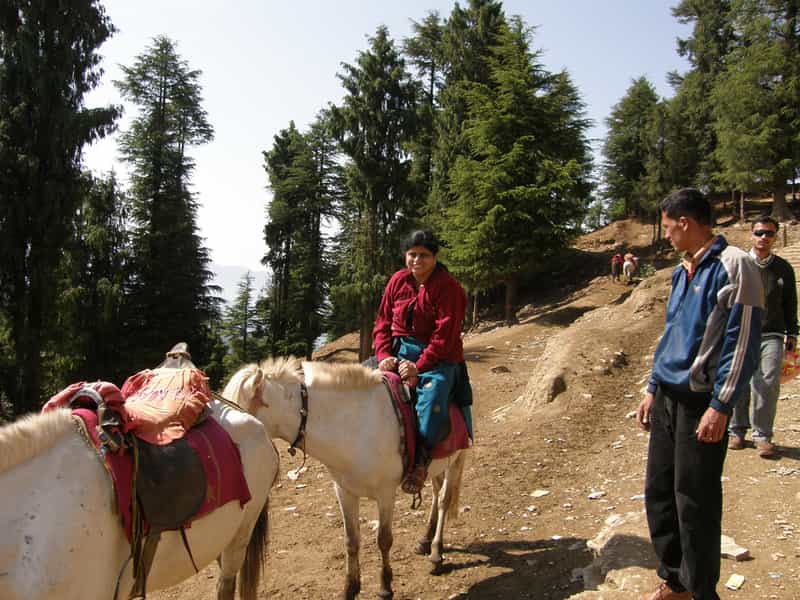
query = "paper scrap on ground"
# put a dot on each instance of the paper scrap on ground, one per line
(734, 582)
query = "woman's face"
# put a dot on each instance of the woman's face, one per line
(421, 262)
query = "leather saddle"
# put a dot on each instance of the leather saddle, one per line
(170, 486)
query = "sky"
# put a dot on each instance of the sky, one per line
(265, 63)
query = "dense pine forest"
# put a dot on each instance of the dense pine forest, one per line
(458, 127)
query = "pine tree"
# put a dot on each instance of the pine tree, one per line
(425, 53)
(467, 39)
(706, 49)
(522, 192)
(48, 63)
(756, 99)
(625, 150)
(304, 179)
(171, 296)
(376, 120)
(95, 267)
(238, 326)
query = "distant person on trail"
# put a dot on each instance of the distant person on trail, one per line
(759, 402)
(418, 334)
(630, 266)
(616, 266)
(702, 364)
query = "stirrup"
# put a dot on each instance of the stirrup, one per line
(414, 480)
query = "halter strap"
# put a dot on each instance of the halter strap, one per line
(301, 433)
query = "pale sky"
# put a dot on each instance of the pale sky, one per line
(266, 63)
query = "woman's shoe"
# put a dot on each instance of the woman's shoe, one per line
(414, 480)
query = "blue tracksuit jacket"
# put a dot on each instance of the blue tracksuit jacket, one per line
(712, 336)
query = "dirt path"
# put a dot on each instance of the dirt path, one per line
(583, 449)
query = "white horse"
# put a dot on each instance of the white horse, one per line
(352, 429)
(63, 538)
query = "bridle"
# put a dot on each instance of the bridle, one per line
(301, 432)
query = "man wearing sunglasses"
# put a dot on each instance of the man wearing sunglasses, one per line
(758, 404)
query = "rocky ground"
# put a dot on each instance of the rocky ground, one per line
(552, 503)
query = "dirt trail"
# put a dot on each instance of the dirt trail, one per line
(582, 448)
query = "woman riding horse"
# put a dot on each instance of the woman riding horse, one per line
(418, 334)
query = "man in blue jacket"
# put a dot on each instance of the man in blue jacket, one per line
(702, 364)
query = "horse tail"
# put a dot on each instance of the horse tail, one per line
(454, 484)
(254, 558)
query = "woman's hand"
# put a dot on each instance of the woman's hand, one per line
(388, 364)
(408, 370)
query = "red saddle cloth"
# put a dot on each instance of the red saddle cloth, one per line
(457, 440)
(221, 460)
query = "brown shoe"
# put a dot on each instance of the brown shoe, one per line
(736, 442)
(664, 592)
(767, 450)
(414, 480)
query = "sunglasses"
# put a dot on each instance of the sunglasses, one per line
(764, 232)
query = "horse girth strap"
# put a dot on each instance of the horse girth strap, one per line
(301, 433)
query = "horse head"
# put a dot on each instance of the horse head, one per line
(270, 392)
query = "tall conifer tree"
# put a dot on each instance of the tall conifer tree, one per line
(48, 63)
(625, 150)
(757, 98)
(171, 297)
(376, 120)
(521, 193)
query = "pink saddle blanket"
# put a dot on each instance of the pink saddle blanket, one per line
(157, 405)
(457, 440)
(220, 457)
(163, 404)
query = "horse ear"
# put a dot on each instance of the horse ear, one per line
(258, 377)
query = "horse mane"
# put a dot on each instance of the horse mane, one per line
(282, 369)
(31, 435)
(340, 375)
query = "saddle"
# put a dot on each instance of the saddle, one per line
(170, 486)
(169, 482)
(148, 420)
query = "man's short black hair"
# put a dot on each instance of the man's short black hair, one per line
(688, 202)
(421, 237)
(765, 219)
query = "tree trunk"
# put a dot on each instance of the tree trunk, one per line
(511, 296)
(780, 210)
(365, 336)
(741, 206)
(475, 297)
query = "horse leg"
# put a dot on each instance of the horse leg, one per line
(385, 512)
(348, 503)
(424, 544)
(448, 505)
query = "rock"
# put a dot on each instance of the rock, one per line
(294, 474)
(500, 369)
(596, 495)
(624, 558)
(601, 370)
(731, 550)
(619, 360)
(539, 493)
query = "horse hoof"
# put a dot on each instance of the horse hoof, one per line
(437, 568)
(423, 548)
(386, 594)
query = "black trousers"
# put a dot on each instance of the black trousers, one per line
(683, 494)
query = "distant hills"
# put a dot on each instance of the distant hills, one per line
(228, 277)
